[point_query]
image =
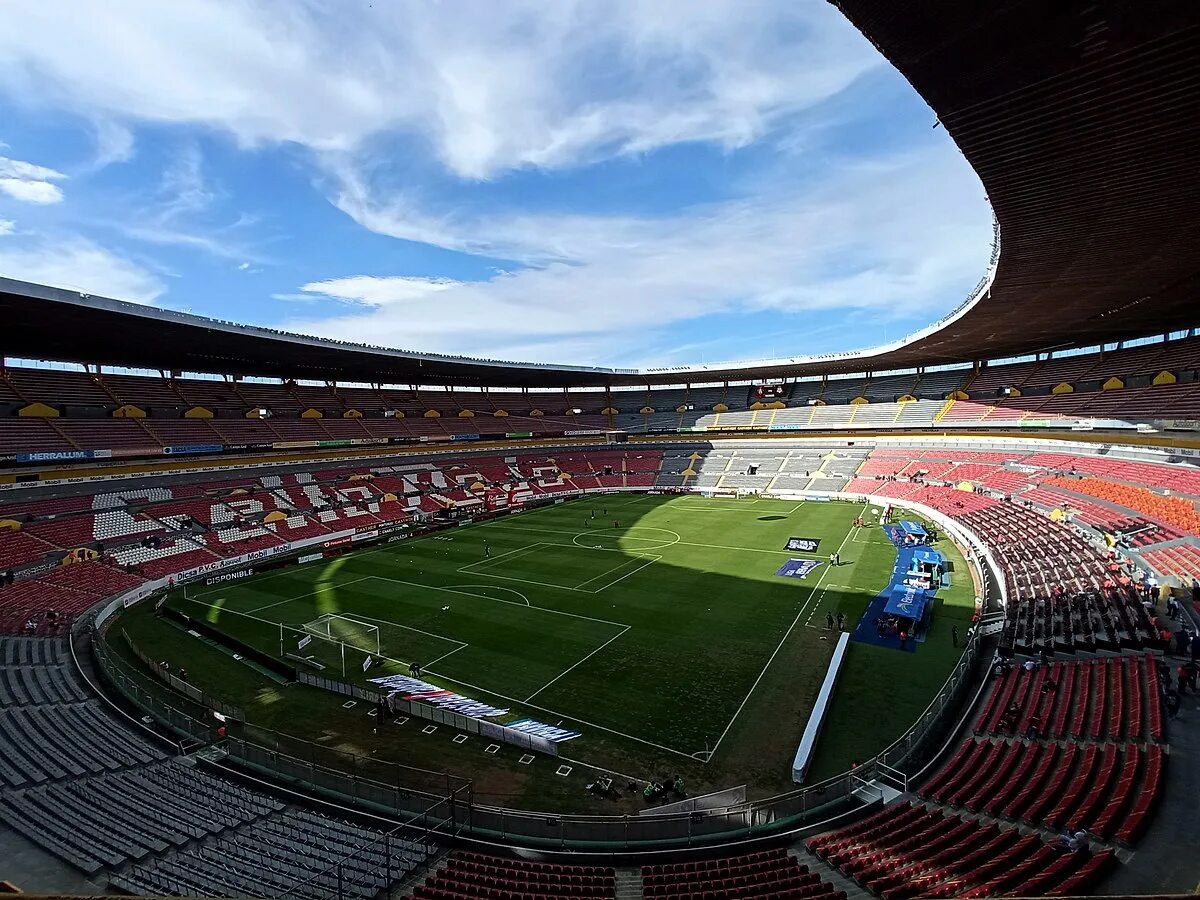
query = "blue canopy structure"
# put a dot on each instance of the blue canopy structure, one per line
(913, 528)
(926, 556)
(907, 601)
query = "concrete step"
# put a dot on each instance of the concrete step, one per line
(854, 891)
(629, 884)
(404, 888)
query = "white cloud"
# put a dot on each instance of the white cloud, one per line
(80, 265)
(371, 290)
(28, 182)
(114, 144)
(27, 171)
(488, 87)
(39, 192)
(7, 226)
(890, 236)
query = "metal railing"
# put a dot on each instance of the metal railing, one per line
(396, 789)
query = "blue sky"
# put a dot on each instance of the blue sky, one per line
(617, 183)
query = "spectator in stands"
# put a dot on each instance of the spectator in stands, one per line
(1183, 641)
(1181, 676)
(1075, 842)
(1173, 609)
(30, 626)
(183, 674)
(1172, 703)
(1035, 725)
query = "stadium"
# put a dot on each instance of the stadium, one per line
(289, 616)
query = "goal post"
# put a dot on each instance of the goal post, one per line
(346, 630)
(332, 641)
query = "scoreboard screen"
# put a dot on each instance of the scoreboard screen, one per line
(768, 391)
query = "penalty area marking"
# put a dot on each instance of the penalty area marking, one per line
(648, 560)
(494, 587)
(320, 590)
(576, 665)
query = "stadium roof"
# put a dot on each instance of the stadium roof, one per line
(1082, 120)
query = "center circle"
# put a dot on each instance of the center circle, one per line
(657, 543)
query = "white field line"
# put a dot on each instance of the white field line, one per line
(779, 646)
(625, 562)
(433, 662)
(546, 584)
(816, 606)
(320, 590)
(494, 587)
(450, 590)
(257, 579)
(787, 553)
(470, 568)
(489, 691)
(399, 662)
(577, 665)
(648, 562)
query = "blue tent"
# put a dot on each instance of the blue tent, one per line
(928, 557)
(913, 528)
(907, 601)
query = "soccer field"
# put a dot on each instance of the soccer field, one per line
(657, 627)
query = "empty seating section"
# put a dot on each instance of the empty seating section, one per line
(768, 874)
(25, 435)
(1181, 561)
(88, 789)
(910, 850)
(32, 671)
(1175, 511)
(18, 547)
(294, 852)
(29, 601)
(1101, 699)
(1106, 789)
(84, 404)
(1061, 595)
(475, 876)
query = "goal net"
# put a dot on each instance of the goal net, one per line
(346, 630)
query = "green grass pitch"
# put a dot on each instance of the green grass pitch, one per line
(666, 639)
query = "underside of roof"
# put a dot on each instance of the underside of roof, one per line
(1082, 120)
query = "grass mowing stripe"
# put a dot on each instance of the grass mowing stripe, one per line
(779, 646)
